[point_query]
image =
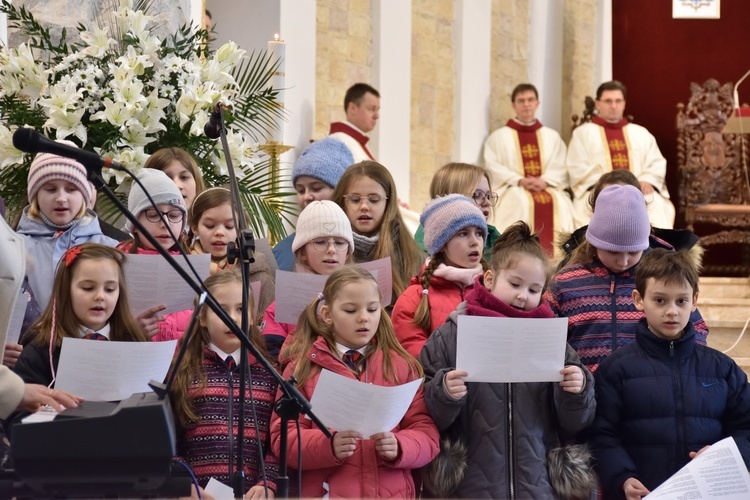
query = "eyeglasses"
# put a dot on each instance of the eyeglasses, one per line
(173, 216)
(372, 200)
(610, 102)
(479, 196)
(322, 244)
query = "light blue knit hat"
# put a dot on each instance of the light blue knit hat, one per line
(446, 215)
(325, 159)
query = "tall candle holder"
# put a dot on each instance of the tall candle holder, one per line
(274, 150)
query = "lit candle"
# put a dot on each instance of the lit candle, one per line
(277, 50)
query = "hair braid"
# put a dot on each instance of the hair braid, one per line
(422, 314)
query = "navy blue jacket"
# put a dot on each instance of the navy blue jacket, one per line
(657, 400)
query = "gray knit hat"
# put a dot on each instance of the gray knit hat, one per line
(445, 216)
(620, 222)
(322, 219)
(325, 159)
(162, 190)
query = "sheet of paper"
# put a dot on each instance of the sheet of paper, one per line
(294, 292)
(718, 472)
(345, 404)
(152, 281)
(111, 371)
(384, 275)
(511, 349)
(219, 490)
(255, 290)
(16, 318)
(262, 246)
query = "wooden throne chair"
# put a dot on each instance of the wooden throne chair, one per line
(714, 190)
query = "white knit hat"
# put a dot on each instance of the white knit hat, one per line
(322, 219)
(162, 190)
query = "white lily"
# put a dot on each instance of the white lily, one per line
(98, 42)
(67, 123)
(135, 135)
(9, 155)
(114, 112)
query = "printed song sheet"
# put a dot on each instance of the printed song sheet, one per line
(511, 349)
(219, 490)
(381, 269)
(152, 281)
(718, 472)
(16, 319)
(111, 371)
(344, 404)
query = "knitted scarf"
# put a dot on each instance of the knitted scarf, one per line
(481, 302)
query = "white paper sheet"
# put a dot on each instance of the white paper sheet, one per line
(381, 269)
(111, 371)
(16, 318)
(344, 404)
(152, 281)
(511, 349)
(219, 490)
(718, 472)
(262, 246)
(294, 292)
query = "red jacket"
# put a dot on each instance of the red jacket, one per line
(364, 474)
(444, 297)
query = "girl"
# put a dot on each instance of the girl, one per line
(181, 168)
(212, 228)
(89, 300)
(471, 181)
(506, 429)
(455, 231)
(352, 336)
(368, 195)
(594, 290)
(171, 204)
(316, 172)
(56, 218)
(207, 413)
(323, 243)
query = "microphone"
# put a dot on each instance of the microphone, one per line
(29, 140)
(213, 126)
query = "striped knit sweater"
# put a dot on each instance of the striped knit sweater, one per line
(206, 444)
(599, 306)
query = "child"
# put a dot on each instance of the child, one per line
(471, 181)
(205, 410)
(352, 336)
(171, 204)
(56, 218)
(594, 290)
(454, 231)
(89, 300)
(323, 243)
(664, 398)
(181, 168)
(212, 226)
(316, 172)
(507, 429)
(367, 194)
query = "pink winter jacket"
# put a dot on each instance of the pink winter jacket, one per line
(364, 474)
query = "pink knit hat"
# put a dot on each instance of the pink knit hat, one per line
(48, 167)
(620, 222)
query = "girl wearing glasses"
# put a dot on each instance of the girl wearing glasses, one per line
(454, 231)
(473, 182)
(323, 243)
(170, 202)
(367, 193)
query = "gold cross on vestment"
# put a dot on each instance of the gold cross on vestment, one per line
(530, 151)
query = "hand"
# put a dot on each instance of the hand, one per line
(258, 492)
(573, 378)
(634, 489)
(694, 454)
(12, 353)
(386, 445)
(35, 396)
(344, 443)
(646, 188)
(527, 183)
(454, 384)
(149, 319)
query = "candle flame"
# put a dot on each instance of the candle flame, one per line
(276, 37)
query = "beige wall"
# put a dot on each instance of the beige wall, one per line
(578, 58)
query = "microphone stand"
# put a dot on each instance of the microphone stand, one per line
(296, 403)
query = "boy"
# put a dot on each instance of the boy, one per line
(663, 399)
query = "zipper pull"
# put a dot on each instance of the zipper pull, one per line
(671, 349)
(612, 286)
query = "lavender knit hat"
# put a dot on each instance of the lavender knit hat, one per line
(325, 159)
(444, 216)
(48, 167)
(620, 222)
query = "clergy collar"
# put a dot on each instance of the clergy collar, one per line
(223, 355)
(83, 331)
(342, 349)
(529, 124)
(350, 124)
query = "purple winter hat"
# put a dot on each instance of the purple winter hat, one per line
(620, 222)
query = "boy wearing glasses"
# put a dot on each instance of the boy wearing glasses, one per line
(610, 142)
(527, 163)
